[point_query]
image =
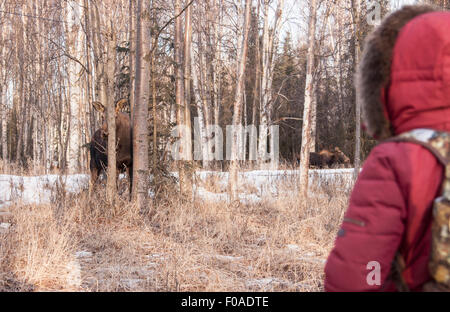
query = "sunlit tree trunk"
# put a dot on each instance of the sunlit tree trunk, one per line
(111, 183)
(3, 99)
(205, 98)
(4, 128)
(19, 88)
(187, 82)
(216, 71)
(185, 186)
(132, 40)
(75, 46)
(309, 93)
(142, 97)
(356, 7)
(237, 111)
(268, 44)
(200, 113)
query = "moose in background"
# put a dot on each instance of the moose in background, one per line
(98, 145)
(328, 159)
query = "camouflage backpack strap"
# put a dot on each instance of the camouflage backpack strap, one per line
(438, 143)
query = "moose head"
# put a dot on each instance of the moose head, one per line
(341, 158)
(120, 117)
(98, 146)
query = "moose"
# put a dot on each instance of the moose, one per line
(326, 158)
(98, 145)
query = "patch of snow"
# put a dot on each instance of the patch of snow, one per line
(156, 256)
(5, 226)
(292, 247)
(83, 254)
(38, 189)
(266, 183)
(256, 185)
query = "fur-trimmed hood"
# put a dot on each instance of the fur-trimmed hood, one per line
(403, 79)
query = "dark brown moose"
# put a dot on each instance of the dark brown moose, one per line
(328, 159)
(340, 158)
(99, 142)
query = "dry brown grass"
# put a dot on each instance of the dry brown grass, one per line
(86, 244)
(29, 168)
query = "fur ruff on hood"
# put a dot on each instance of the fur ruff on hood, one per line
(373, 72)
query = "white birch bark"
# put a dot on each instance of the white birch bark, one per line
(216, 72)
(187, 83)
(3, 100)
(3, 107)
(203, 153)
(75, 47)
(268, 45)
(309, 88)
(237, 112)
(357, 160)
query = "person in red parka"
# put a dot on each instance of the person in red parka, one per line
(402, 83)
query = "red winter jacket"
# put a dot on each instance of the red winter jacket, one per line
(390, 206)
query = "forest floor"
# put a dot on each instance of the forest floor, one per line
(271, 240)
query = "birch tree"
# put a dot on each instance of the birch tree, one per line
(4, 29)
(75, 49)
(187, 83)
(183, 125)
(106, 26)
(269, 43)
(309, 88)
(356, 9)
(237, 111)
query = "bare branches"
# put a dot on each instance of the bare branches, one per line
(160, 30)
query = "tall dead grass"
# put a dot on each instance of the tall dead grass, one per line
(86, 244)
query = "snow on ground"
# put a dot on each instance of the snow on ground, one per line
(38, 189)
(255, 185)
(271, 183)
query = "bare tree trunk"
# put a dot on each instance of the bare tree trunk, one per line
(201, 120)
(155, 117)
(237, 112)
(111, 183)
(205, 101)
(268, 45)
(185, 187)
(256, 90)
(4, 120)
(312, 143)
(132, 40)
(357, 161)
(75, 47)
(89, 76)
(187, 83)
(309, 88)
(216, 77)
(3, 101)
(265, 93)
(142, 98)
(20, 93)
